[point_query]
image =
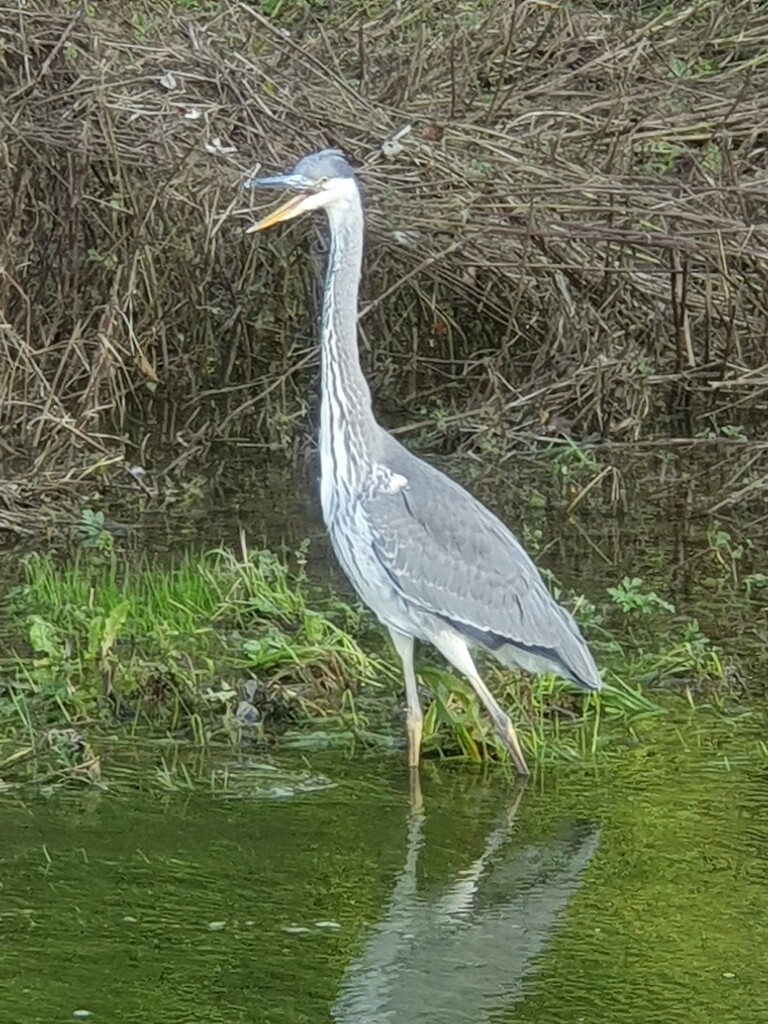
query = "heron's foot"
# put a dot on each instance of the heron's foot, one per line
(509, 738)
(416, 800)
(415, 725)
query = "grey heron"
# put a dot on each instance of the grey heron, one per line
(431, 561)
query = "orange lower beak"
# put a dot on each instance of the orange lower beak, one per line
(285, 212)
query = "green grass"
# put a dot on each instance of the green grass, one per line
(242, 650)
(171, 644)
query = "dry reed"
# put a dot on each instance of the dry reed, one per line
(568, 218)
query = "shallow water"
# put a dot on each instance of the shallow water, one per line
(636, 894)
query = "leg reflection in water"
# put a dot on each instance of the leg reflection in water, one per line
(461, 954)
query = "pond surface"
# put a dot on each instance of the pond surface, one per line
(637, 894)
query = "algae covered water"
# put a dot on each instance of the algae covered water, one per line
(634, 895)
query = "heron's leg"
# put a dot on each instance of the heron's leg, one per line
(414, 718)
(459, 898)
(456, 651)
(415, 798)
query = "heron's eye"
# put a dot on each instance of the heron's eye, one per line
(322, 182)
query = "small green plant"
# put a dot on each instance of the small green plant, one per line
(729, 430)
(568, 456)
(733, 431)
(755, 581)
(726, 553)
(661, 157)
(696, 68)
(454, 720)
(91, 532)
(631, 597)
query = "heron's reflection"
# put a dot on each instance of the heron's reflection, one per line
(461, 954)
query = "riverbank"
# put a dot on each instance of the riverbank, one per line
(241, 650)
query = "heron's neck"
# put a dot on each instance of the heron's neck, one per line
(347, 426)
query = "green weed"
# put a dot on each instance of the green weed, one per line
(630, 597)
(173, 645)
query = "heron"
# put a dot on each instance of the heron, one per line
(429, 559)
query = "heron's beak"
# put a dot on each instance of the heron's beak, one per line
(287, 211)
(292, 208)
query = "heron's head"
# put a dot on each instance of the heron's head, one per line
(322, 180)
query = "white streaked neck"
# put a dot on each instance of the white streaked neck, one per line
(347, 426)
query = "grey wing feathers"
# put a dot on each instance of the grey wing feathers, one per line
(448, 554)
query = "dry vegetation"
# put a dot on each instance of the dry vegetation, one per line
(568, 209)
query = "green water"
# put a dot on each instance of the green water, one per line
(636, 894)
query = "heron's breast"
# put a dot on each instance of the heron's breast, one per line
(351, 534)
(353, 544)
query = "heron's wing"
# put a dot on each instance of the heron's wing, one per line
(448, 554)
